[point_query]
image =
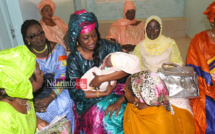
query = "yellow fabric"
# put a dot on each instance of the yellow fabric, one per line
(156, 120)
(16, 67)
(157, 46)
(14, 122)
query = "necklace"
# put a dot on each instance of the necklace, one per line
(24, 103)
(41, 51)
(212, 33)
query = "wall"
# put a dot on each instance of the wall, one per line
(197, 22)
(112, 11)
(63, 9)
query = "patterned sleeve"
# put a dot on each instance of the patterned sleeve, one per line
(175, 54)
(110, 46)
(60, 73)
(73, 73)
(138, 54)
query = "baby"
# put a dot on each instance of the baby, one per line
(117, 61)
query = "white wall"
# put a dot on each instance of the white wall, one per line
(63, 9)
(197, 22)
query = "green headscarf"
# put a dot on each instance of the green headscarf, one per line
(16, 67)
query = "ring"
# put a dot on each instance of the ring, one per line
(91, 87)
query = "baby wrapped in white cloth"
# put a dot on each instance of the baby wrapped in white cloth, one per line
(117, 61)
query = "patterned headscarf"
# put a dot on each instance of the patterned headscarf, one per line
(16, 67)
(46, 2)
(150, 89)
(128, 5)
(76, 23)
(210, 12)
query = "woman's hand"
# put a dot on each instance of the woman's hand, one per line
(96, 82)
(40, 105)
(116, 106)
(41, 123)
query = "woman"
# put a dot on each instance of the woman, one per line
(157, 49)
(20, 77)
(200, 56)
(54, 28)
(52, 59)
(88, 50)
(127, 31)
(148, 110)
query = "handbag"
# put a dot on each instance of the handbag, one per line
(182, 82)
(63, 126)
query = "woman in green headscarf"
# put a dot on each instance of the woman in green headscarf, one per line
(19, 77)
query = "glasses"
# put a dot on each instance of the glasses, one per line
(35, 36)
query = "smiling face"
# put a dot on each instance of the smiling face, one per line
(88, 40)
(35, 35)
(47, 12)
(153, 29)
(38, 82)
(130, 14)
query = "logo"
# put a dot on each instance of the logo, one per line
(81, 83)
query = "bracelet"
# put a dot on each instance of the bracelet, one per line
(97, 94)
(53, 96)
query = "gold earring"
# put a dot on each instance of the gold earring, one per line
(135, 104)
(29, 43)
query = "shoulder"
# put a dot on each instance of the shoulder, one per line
(200, 35)
(109, 45)
(6, 110)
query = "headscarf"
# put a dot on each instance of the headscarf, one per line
(156, 46)
(126, 62)
(46, 2)
(210, 12)
(16, 67)
(150, 89)
(77, 22)
(128, 5)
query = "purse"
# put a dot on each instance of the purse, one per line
(63, 126)
(182, 82)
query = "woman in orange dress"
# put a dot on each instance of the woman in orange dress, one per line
(54, 28)
(127, 31)
(149, 111)
(201, 57)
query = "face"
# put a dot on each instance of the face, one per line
(130, 14)
(128, 94)
(35, 35)
(47, 12)
(107, 61)
(88, 40)
(39, 78)
(153, 29)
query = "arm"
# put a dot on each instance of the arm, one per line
(96, 82)
(41, 123)
(138, 54)
(115, 106)
(60, 71)
(8, 124)
(175, 54)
